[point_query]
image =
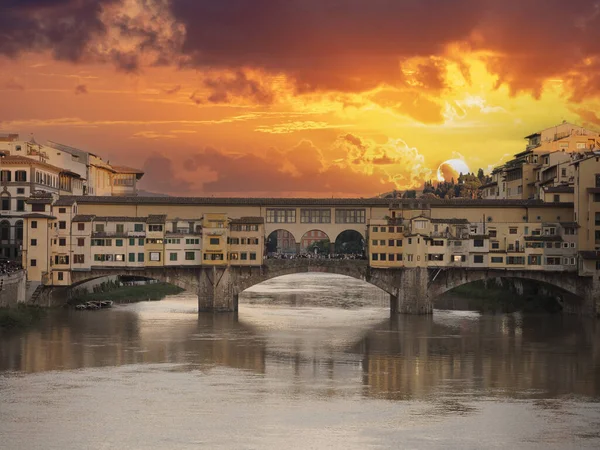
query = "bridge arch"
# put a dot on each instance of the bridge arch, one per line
(573, 288)
(184, 278)
(281, 241)
(349, 242)
(315, 241)
(273, 269)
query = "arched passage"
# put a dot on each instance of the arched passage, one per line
(244, 279)
(182, 277)
(350, 242)
(281, 242)
(569, 289)
(315, 241)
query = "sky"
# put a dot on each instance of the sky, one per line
(344, 98)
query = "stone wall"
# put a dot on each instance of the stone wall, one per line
(12, 289)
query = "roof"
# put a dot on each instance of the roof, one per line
(83, 218)
(39, 201)
(451, 221)
(68, 149)
(70, 173)
(569, 224)
(539, 133)
(120, 219)
(65, 201)
(249, 220)
(299, 202)
(559, 189)
(38, 216)
(16, 159)
(586, 157)
(523, 153)
(126, 169)
(491, 184)
(157, 218)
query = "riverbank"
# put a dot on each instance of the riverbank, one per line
(20, 317)
(129, 294)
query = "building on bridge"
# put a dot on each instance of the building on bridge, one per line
(416, 249)
(83, 233)
(60, 241)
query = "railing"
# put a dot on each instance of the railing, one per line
(107, 234)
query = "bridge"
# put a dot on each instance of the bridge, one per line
(411, 290)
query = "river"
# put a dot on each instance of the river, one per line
(310, 361)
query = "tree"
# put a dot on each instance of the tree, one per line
(480, 175)
(410, 194)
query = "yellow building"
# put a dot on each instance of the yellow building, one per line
(214, 240)
(246, 241)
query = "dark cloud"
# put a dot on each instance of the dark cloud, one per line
(62, 26)
(589, 118)
(225, 88)
(127, 62)
(237, 173)
(173, 90)
(344, 45)
(14, 84)
(159, 176)
(81, 89)
(357, 45)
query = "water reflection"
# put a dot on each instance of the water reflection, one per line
(325, 369)
(448, 354)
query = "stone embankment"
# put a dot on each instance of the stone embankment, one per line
(12, 289)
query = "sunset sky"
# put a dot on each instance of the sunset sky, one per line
(296, 97)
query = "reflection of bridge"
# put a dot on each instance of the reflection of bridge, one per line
(412, 290)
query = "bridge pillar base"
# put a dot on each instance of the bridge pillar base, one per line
(215, 290)
(412, 294)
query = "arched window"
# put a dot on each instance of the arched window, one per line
(4, 230)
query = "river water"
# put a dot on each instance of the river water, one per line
(309, 362)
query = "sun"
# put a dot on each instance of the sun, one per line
(451, 169)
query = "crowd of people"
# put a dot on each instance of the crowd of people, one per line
(7, 267)
(306, 255)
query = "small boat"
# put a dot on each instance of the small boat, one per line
(106, 304)
(80, 307)
(93, 305)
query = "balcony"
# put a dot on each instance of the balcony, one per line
(109, 234)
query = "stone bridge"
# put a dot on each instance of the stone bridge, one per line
(412, 290)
